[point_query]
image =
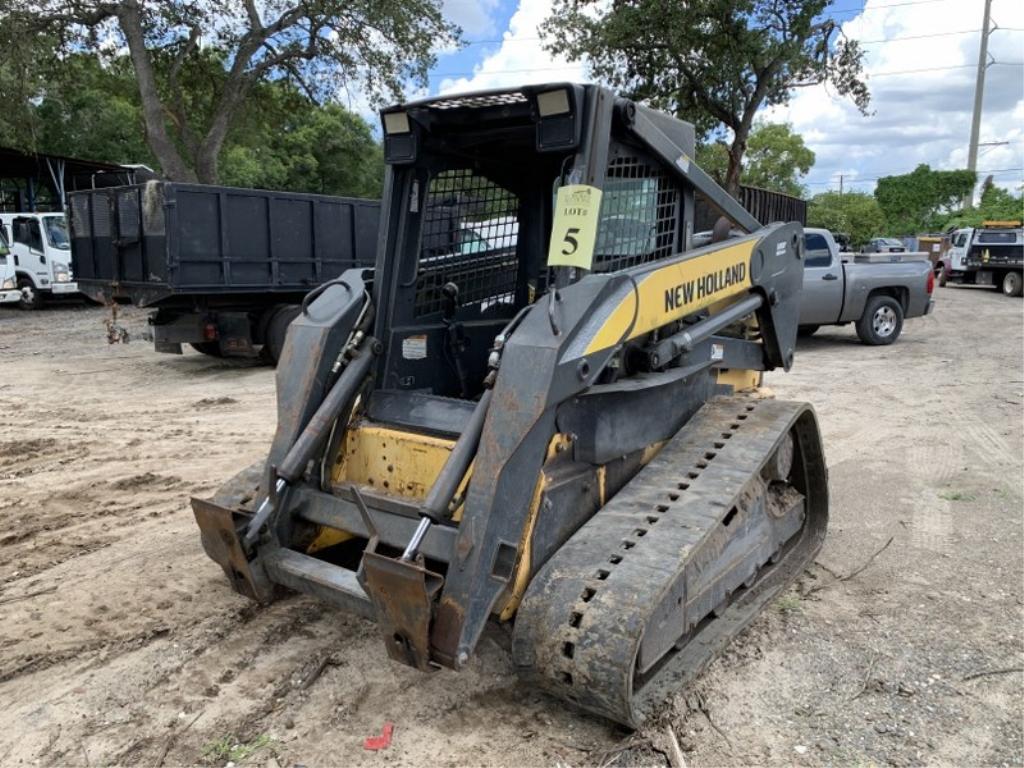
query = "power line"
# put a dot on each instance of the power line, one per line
(560, 69)
(918, 37)
(862, 9)
(882, 41)
(848, 180)
(938, 69)
(862, 42)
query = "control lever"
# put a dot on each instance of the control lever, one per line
(456, 340)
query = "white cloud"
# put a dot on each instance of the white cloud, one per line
(919, 116)
(476, 17)
(521, 59)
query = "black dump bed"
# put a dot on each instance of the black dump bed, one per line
(764, 205)
(164, 243)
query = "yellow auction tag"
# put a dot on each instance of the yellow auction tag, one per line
(574, 231)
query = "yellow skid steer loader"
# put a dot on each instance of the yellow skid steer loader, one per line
(540, 407)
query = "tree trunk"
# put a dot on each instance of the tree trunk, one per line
(732, 174)
(235, 88)
(171, 162)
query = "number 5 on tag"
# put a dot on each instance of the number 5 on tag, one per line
(574, 231)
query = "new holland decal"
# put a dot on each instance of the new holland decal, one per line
(665, 293)
(685, 293)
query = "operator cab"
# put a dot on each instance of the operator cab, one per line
(468, 214)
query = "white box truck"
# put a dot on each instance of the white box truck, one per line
(9, 292)
(41, 250)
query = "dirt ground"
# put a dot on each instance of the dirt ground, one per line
(120, 643)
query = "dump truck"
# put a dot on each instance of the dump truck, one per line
(560, 430)
(223, 269)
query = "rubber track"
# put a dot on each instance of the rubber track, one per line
(582, 620)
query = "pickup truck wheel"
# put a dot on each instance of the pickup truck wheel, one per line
(807, 330)
(1012, 284)
(30, 297)
(881, 322)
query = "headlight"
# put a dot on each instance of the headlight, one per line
(9, 284)
(62, 275)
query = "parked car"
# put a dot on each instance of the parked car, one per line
(876, 296)
(883, 245)
(41, 249)
(9, 292)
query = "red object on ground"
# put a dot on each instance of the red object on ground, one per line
(383, 741)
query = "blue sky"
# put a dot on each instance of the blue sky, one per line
(921, 58)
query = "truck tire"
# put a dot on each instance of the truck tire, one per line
(211, 348)
(30, 297)
(277, 329)
(807, 330)
(1012, 284)
(881, 322)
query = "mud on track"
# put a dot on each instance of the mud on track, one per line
(120, 643)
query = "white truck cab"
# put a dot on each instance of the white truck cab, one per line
(9, 292)
(959, 244)
(41, 251)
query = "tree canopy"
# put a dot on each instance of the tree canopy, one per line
(855, 213)
(922, 200)
(996, 204)
(319, 46)
(279, 138)
(713, 62)
(776, 159)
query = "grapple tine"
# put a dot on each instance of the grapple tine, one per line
(403, 594)
(220, 527)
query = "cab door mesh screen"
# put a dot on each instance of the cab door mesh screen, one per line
(470, 231)
(639, 215)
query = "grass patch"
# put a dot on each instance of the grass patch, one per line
(956, 496)
(789, 603)
(230, 749)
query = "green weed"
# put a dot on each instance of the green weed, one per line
(789, 603)
(230, 749)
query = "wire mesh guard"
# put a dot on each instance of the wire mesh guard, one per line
(470, 230)
(639, 215)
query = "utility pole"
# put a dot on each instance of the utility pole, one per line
(840, 186)
(979, 93)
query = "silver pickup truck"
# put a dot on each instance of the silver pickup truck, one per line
(876, 295)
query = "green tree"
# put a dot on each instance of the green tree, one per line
(776, 159)
(713, 62)
(996, 204)
(326, 150)
(920, 201)
(280, 139)
(92, 111)
(320, 46)
(856, 213)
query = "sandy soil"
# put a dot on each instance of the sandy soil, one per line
(120, 643)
